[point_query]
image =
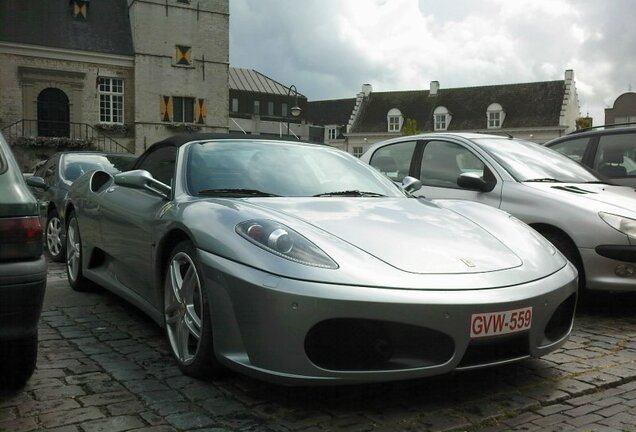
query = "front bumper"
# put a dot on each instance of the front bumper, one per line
(274, 328)
(607, 267)
(22, 286)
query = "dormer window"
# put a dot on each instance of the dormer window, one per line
(441, 118)
(495, 116)
(394, 120)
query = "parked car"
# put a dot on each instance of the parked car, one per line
(52, 179)
(299, 264)
(609, 149)
(22, 274)
(591, 222)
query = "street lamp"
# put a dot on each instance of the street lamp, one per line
(295, 110)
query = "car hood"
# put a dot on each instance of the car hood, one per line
(622, 197)
(412, 235)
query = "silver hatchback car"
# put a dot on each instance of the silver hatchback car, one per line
(591, 222)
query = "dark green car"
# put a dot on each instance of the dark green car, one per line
(22, 274)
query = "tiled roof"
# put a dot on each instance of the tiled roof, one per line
(49, 23)
(255, 82)
(535, 104)
(330, 112)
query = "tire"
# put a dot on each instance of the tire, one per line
(17, 362)
(74, 258)
(568, 249)
(55, 242)
(187, 318)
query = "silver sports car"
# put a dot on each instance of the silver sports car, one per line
(299, 264)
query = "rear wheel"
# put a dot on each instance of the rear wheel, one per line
(187, 314)
(17, 361)
(55, 237)
(74, 257)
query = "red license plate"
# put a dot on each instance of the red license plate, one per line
(498, 323)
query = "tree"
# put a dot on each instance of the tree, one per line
(583, 122)
(410, 127)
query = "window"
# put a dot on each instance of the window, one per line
(235, 104)
(160, 164)
(495, 116)
(627, 119)
(332, 133)
(183, 108)
(441, 118)
(394, 160)
(183, 55)
(79, 9)
(616, 155)
(357, 151)
(443, 162)
(111, 100)
(394, 119)
(257, 107)
(270, 108)
(283, 110)
(574, 149)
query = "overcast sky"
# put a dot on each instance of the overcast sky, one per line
(329, 48)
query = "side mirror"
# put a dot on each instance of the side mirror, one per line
(142, 179)
(411, 184)
(473, 181)
(36, 182)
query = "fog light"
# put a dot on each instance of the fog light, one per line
(625, 270)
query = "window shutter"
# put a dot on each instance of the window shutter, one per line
(200, 111)
(166, 108)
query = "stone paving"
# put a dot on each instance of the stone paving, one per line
(104, 366)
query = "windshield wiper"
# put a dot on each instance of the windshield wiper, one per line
(545, 180)
(353, 193)
(236, 192)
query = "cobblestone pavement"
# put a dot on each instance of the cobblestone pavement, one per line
(104, 366)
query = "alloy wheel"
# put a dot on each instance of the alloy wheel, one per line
(54, 236)
(183, 308)
(73, 250)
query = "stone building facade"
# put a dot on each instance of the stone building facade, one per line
(118, 74)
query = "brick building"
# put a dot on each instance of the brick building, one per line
(120, 74)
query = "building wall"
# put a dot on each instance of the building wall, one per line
(624, 109)
(157, 28)
(27, 71)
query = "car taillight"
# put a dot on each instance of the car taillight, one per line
(20, 238)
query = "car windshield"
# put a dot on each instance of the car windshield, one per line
(270, 168)
(527, 161)
(76, 164)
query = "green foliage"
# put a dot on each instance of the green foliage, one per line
(583, 122)
(410, 127)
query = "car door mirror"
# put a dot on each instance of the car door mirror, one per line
(36, 182)
(473, 181)
(142, 179)
(411, 184)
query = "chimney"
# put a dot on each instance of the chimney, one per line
(367, 89)
(434, 88)
(569, 75)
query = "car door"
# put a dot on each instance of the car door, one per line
(128, 219)
(439, 165)
(615, 157)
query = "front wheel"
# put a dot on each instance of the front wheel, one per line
(187, 314)
(55, 237)
(74, 257)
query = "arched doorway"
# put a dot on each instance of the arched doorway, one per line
(53, 113)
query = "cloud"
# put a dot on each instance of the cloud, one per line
(329, 48)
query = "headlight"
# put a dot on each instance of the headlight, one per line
(284, 242)
(620, 223)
